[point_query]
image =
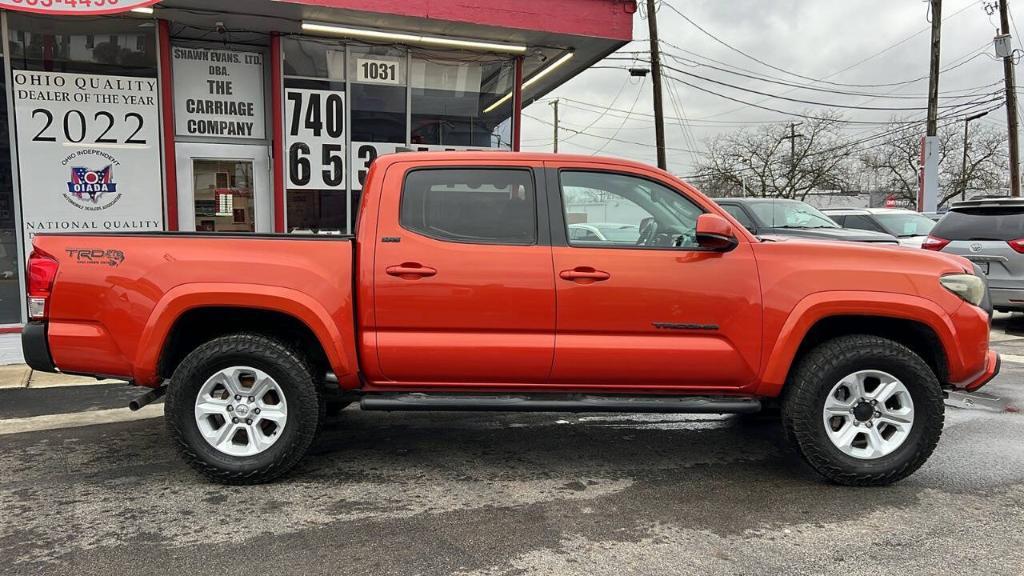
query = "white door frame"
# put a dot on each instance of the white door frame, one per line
(258, 154)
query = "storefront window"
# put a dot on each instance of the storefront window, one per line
(378, 94)
(449, 99)
(223, 192)
(10, 270)
(315, 111)
(116, 46)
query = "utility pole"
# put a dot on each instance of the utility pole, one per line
(792, 153)
(555, 104)
(963, 167)
(933, 74)
(659, 118)
(1011, 103)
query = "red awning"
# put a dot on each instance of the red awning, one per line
(611, 19)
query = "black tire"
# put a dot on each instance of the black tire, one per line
(821, 369)
(293, 375)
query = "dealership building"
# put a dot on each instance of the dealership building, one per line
(257, 115)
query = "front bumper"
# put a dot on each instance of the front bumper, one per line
(990, 371)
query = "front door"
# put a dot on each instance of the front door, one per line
(463, 285)
(223, 188)
(639, 303)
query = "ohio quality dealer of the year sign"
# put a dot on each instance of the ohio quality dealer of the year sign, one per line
(75, 7)
(88, 153)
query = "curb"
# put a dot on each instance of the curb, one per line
(21, 376)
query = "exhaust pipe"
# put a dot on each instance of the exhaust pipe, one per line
(138, 403)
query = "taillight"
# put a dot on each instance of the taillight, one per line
(934, 243)
(42, 271)
(1017, 245)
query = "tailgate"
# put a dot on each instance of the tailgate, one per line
(116, 297)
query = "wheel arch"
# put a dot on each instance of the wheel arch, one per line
(191, 314)
(915, 322)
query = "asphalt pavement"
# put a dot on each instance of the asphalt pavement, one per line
(83, 492)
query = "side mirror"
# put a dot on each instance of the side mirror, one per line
(715, 233)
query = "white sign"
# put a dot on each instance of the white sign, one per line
(363, 154)
(75, 7)
(88, 153)
(218, 93)
(315, 137)
(374, 71)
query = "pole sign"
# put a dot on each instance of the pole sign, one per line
(218, 93)
(75, 7)
(315, 124)
(88, 153)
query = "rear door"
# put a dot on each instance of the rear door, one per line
(463, 282)
(651, 310)
(984, 235)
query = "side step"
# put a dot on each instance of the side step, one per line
(561, 403)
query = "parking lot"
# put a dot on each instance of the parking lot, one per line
(447, 493)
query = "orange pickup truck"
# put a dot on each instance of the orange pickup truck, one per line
(518, 282)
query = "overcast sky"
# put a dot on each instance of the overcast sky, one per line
(813, 38)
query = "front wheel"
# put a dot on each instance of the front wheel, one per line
(863, 410)
(244, 408)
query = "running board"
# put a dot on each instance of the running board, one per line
(562, 403)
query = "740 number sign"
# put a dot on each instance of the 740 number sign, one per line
(316, 138)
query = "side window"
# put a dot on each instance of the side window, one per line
(477, 206)
(859, 222)
(738, 213)
(618, 210)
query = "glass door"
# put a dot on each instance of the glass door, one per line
(223, 188)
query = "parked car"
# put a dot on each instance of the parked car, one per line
(768, 216)
(909, 227)
(990, 233)
(934, 216)
(605, 232)
(462, 290)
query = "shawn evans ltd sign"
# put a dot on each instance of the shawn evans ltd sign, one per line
(88, 153)
(75, 7)
(218, 93)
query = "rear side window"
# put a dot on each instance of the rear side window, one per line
(981, 224)
(478, 206)
(859, 222)
(740, 215)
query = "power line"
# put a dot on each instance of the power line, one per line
(784, 71)
(798, 100)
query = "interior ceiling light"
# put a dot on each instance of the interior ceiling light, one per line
(142, 10)
(533, 79)
(408, 38)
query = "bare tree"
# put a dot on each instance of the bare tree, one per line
(895, 158)
(774, 164)
(986, 167)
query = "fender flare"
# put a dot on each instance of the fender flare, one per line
(821, 305)
(339, 348)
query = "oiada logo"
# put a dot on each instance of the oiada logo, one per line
(92, 189)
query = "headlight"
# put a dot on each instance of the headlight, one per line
(967, 286)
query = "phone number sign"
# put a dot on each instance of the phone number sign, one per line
(75, 7)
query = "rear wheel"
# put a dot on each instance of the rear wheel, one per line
(863, 410)
(244, 408)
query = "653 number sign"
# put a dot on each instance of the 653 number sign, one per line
(315, 120)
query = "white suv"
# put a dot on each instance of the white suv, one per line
(911, 228)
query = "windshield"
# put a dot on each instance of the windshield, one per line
(905, 225)
(787, 214)
(619, 232)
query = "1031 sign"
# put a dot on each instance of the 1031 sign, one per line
(315, 120)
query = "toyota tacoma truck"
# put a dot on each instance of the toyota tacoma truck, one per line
(467, 287)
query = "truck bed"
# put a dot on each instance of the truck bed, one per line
(140, 283)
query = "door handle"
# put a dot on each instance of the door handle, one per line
(410, 271)
(584, 275)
